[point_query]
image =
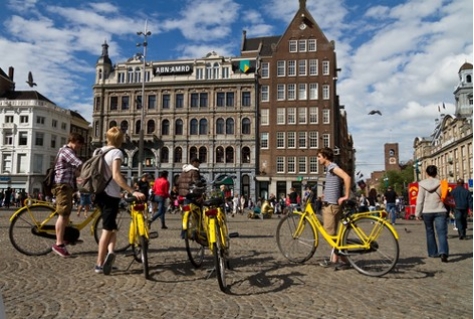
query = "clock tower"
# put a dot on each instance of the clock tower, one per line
(391, 157)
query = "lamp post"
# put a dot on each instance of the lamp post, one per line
(141, 150)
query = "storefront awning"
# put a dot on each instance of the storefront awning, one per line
(263, 178)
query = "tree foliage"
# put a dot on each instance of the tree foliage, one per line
(399, 180)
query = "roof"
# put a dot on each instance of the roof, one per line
(252, 44)
(76, 114)
(25, 95)
(465, 66)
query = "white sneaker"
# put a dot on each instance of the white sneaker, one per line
(455, 229)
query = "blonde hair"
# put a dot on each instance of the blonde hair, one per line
(114, 136)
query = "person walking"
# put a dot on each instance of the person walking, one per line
(463, 202)
(430, 207)
(108, 200)
(333, 199)
(161, 191)
(189, 175)
(390, 203)
(67, 169)
(85, 203)
(235, 205)
(8, 197)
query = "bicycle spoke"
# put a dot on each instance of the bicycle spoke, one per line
(296, 247)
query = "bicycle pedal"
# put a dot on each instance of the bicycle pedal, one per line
(153, 234)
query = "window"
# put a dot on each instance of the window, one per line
(165, 127)
(165, 101)
(281, 116)
(194, 99)
(203, 100)
(40, 120)
(291, 92)
(220, 99)
(291, 139)
(208, 71)
(326, 116)
(179, 100)
(220, 154)
(312, 45)
(265, 70)
(265, 93)
(220, 126)
(246, 126)
(230, 99)
(130, 75)
(264, 140)
(215, 70)
(22, 164)
(7, 163)
(193, 127)
(121, 77)
(246, 99)
(293, 46)
(8, 137)
(165, 155)
(280, 92)
(225, 73)
(313, 115)
(302, 67)
(138, 100)
(292, 68)
(301, 164)
(313, 91)
(280, 164)
(54, 123)
(313, 139)
(291, 115)
(225, 99)
(64, 126)
(113, 103)
(53, 141)
(200, 74)
(245, 155)
(326, 140)
(151, 102)
(301, 139)
(302, 118)
(63, 141)
(178, 155)
(264, 117)
(325, 67)
(202, 127)
(9, 119)
(178, 127)
(313, 165)
(202, 154)
(280, 68)
(302, 45)
(23, 138)
(313, 67)
(125, 103)
(280, 139)
(123, 126)
(38, 164)
(291, 165)
(325, 92)
(138, 125)
(193, 152)
(229, 126)
(39, 139)
(229, 154)
(24, 119)
(302, 91)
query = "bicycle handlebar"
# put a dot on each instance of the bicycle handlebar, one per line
(129, 198)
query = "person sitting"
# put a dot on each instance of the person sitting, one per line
(265, 212)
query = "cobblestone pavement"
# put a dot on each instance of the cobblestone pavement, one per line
(264, 284)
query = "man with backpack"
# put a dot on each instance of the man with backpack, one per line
(66, 169)
(463, 201)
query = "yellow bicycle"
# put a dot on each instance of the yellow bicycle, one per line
(367, 240)
(205, 224)
(32, 228)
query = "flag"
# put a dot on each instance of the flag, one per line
(444, 106)
(244, 66)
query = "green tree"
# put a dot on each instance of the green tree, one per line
(399, 180)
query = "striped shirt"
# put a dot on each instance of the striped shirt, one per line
(332, 189)
(66, 165)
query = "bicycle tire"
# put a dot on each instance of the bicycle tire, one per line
(23, 235)
(296, 249)
(144, 255)
(383, 254)
(194, 246)
(123, 224)
(220, 260)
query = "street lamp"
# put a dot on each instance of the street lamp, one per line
(144, 44)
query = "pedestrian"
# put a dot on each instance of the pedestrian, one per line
(108, 200)
(463, 201)
(293, 197)
(174, 203)
(235, 206)
(332, 209)
(67, 169)
(390, 197)
(430, 207)
(372, 199)
(2, 196)
(189, 175)
(85, 203)
(144, 185)
(363, 204)
(242, 204)
(161, 192)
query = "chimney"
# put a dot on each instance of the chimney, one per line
(11, 71)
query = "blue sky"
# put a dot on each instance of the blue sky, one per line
(397, 56)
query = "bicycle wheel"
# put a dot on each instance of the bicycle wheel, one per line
(297, 248)
(24, 234)
(194, 244)
(220, 260)
(383, 253)
(123, 223)
(144, 255)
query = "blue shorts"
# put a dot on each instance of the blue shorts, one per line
(85, 200)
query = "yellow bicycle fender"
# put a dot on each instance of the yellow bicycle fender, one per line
(13, 216)
(212, 230)
(185, 220)
(131, 232)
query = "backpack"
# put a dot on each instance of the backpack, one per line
(92, 179)
(446, 197)
(48, 181)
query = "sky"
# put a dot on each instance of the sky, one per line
(400, 57)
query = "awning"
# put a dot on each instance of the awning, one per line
(228, 181)
(263, 178)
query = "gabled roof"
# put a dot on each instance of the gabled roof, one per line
(268, 43)
(76, 114)
(25, 95)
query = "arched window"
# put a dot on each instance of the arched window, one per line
(229, 126)
(245, 154)
(229, 154)
(246, 126)
(192, 153)
(129, 75)
(178, 127)
(150, 127)
(112, 124)
(178, 155)
(165, 155)
(219, 154)
(124, 127)
(208, 71)
(193, 127)
(220, 126)
(215, 71)
(138, 125)
(202, 127)
(203, 154)
(165, 127)
(468, 79)
(138, 74)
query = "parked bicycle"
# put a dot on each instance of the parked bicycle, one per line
(367, 240)
(205, 224)
(32, 228)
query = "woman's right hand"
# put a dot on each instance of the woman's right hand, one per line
(139, 195)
